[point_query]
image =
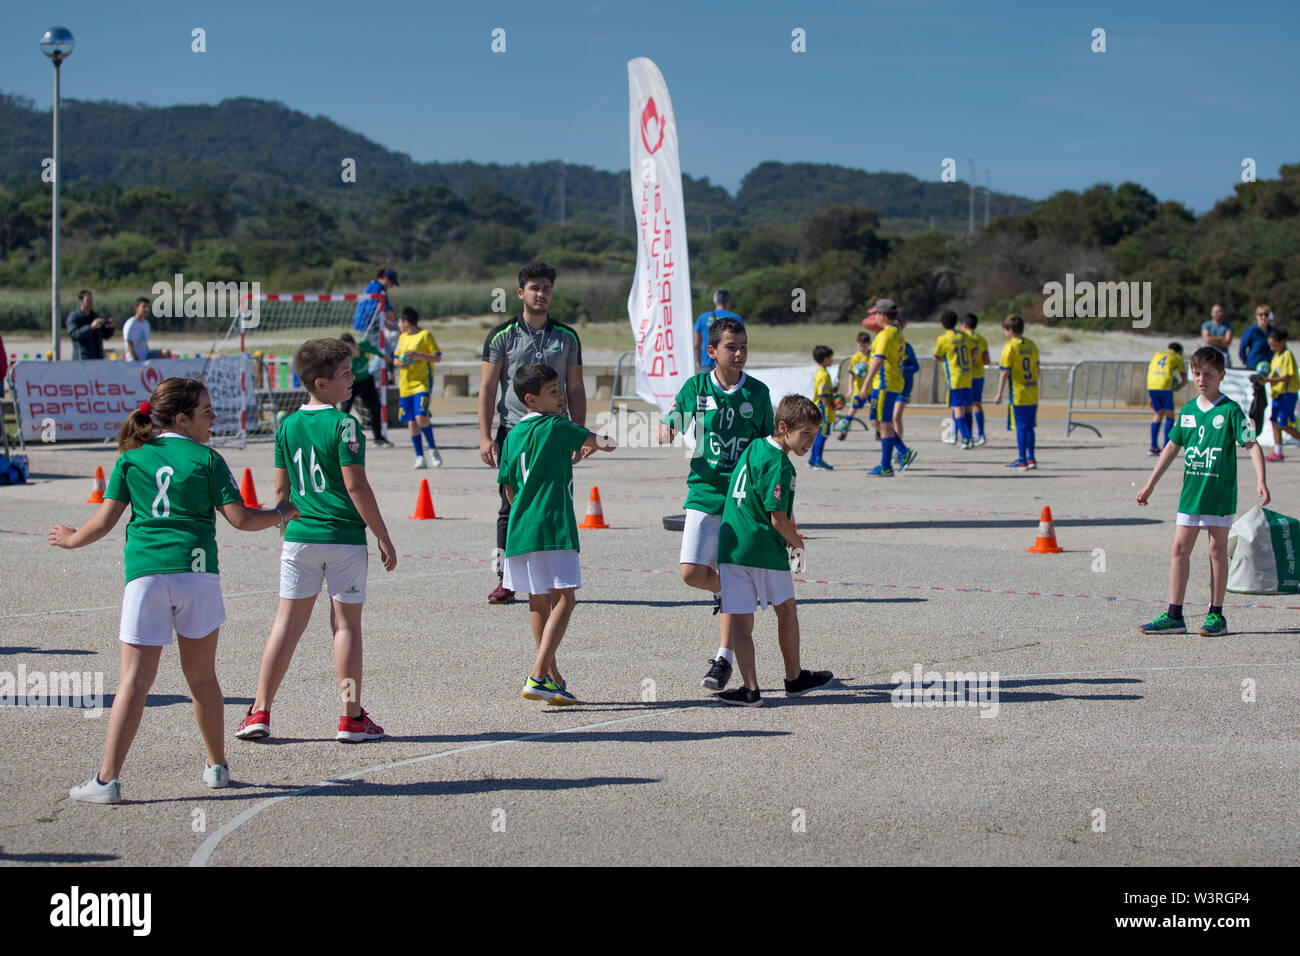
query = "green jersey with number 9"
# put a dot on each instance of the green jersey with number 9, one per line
(762, 483)
(1209, 440)
(313, 444)
(174, 486)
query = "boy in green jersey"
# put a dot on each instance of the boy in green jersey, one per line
(727, 410)
(174, 484)
(320, 465)
(536, 471)
(753, 561)
(1209, 427)
(363, 385)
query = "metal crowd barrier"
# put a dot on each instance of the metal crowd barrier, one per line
(1110, 388)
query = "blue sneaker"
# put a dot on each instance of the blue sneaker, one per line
(821, 464)
(907, 459)
(880, 471)
(1018, 465)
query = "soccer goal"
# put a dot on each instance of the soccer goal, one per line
(250, 366)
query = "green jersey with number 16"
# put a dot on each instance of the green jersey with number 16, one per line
(313, 444)
(762, 483)
(174, 486)
(726, 421)
(1209, 439)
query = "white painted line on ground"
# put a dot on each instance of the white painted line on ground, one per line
(206, 849)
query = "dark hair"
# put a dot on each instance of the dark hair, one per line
(144, 298)
(379, 273)
(529, 379)
(864, 337)
(173, 397)
(949, 319)
(970, 319)
(1207, 356)
(722, 326)
(320, 358)
(410, 315)
(722, 298)
(1014, 323)
(821, 353)
(83, 293)
(536, 270)
(347, 337)
(1175, 347)
(797, 411)
(1276, 333)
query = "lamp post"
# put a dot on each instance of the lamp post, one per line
(56, 43)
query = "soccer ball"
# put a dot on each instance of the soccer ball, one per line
(280, 417)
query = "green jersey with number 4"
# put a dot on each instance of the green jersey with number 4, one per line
(725, 421)
(537, 461)
(762, 483)
(1209, 440)
(174, 486)
(313, 444)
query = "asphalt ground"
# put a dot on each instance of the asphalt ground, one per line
(1105, 747)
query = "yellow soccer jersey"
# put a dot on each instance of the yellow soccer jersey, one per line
(417, 377)
(859, 362)
(1020, 358)
(977, 353)
(1284, 364)
(823, 390)
(1160, 373)
(954, 347)
(890, 345)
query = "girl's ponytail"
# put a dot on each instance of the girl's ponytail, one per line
(136, 430)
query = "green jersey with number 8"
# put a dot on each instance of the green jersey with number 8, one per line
(313, 444)
(1209, 440)
(762, 483)
(174, 486)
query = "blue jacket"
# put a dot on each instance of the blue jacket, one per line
(1254, 346)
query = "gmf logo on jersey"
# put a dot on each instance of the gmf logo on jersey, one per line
(652, 126)
(1188, 421)
(1198, 459)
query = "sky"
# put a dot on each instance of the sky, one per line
(1183, 93)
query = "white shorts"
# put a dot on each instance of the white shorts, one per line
(153, 606)
(700, 539)
(342, 567)
(744, 589)
(1205, 521)
(539, 572)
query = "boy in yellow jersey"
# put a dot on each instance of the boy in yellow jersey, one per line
(888, 353)
(417, 351)
(953, 348)
(1163, 379)
(979, 358)
(825, 397)
(1284, 386)
(858, 363)
(1019, 366)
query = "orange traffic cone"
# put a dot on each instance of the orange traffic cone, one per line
(423, 504)
(247, 491)
(97, 488)
(1046, 543)
(595, 518)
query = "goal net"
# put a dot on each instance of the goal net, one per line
(250, 367)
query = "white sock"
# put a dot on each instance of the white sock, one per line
(724, 653)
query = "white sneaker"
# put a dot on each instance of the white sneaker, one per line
(967, 445)
(981, 440)
(434, 457)
(420, 462)
(216, 776)
(92, 791)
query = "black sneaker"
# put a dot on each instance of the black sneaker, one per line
(806, 681)
(717, 604)
(742, 697)
(718, 675)
(382, 443)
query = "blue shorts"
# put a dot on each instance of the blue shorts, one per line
(976, 390)
(871, 404)
(885, 402)
(412, 405)
(1283, 410)
(907, 390)
(1162, 399)
(1026, 416)
(958, 397)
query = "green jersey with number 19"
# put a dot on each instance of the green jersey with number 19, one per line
(537, 461)
(313, 444)
(762, 483)
(726, 421)
(174, 486)
(1209, 439)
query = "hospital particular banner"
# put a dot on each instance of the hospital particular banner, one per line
(90, 399)
(659, 305)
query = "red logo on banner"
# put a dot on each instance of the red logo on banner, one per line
(651, 125)
(149, 378)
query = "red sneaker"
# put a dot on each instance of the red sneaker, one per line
(501, 596)
(255, 725)
(355, 730)
(1275, 457)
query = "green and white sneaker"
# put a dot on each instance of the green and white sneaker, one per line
(544, 689)
(92, 791)
(1215, 625)
(1165, 624)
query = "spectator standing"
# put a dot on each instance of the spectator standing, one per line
(370, 312)
(1217, 334)
(721, 303)
(1253, 352)
(87, 328)
(136, 333)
